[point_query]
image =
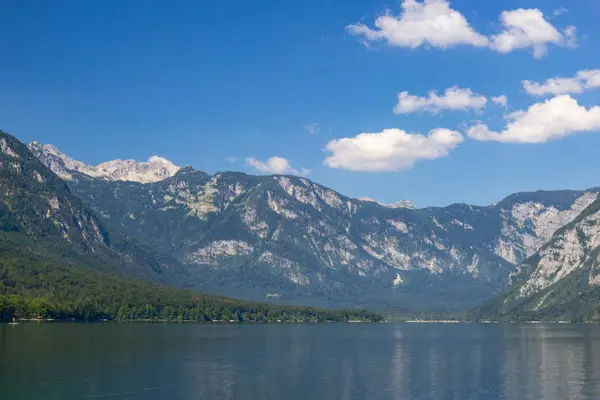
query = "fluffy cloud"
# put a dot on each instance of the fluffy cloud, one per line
(553, 119)
(454, 98)
(431, 22)
(389, 150)
(275, 165)
(527, 28)
(435, 23)
(587, 79)
(501, 101)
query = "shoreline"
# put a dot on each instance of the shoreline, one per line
(235, 322)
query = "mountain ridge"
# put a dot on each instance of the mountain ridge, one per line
(35, 202)
(155, 169)
(303, 241)
(288, 239)
(560, 281)
(43, 151)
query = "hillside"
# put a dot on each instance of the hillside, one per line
(36, 203)
(286, 238)
(561, 281)
(35, 283)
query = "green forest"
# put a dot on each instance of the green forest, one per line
(34, 285)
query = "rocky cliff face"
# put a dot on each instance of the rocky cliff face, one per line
(39, 208)
(290, 237)
(34, 201)
(154, 170)
(562, 279)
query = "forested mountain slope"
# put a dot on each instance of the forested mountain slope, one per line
(286, 238)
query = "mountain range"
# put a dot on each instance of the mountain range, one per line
(287, 239)
(561, 281)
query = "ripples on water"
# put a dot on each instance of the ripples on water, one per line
(356, 361)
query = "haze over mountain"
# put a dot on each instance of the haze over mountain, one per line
(286, 238)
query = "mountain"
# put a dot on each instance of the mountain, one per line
(40, 284)
(399, 204)
(58, 260)
(561, 281)
(36, 203)
(286, 238)
(154, 170)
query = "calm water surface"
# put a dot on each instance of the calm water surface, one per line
(356, 361)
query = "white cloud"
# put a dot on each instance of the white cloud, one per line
(454, 98)
(313, 128)
(431, 22)
(527, 28)
(389, 150)
(553, 119)
(560, 11)
(275, 165)
(434, 23)
(232, 159)
(586, 79)
(501, 101)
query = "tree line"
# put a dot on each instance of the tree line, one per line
(34, 287)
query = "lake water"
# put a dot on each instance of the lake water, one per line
(355, 361)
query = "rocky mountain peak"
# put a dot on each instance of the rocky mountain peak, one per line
(400, 204)
(154, 170)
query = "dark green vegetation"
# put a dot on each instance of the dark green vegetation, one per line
(288, 240)
(168, 217)
(315, 246)
(57, 260)
(34, 284)
(36, 203)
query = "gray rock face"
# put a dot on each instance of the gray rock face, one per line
(39, 210)
(259, 236)
(35, 202)
(562, 279)
(154, 170)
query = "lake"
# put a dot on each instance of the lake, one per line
(329, 361)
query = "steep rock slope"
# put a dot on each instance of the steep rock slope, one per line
(155, 169)
(289, 238)
(36, 204)
(562, 280)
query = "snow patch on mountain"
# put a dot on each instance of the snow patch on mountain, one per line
(154, 170)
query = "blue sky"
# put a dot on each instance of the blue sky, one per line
(202, 82)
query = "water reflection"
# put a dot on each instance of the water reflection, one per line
(433, 362)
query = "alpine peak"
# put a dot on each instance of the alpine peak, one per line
(154, 170)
